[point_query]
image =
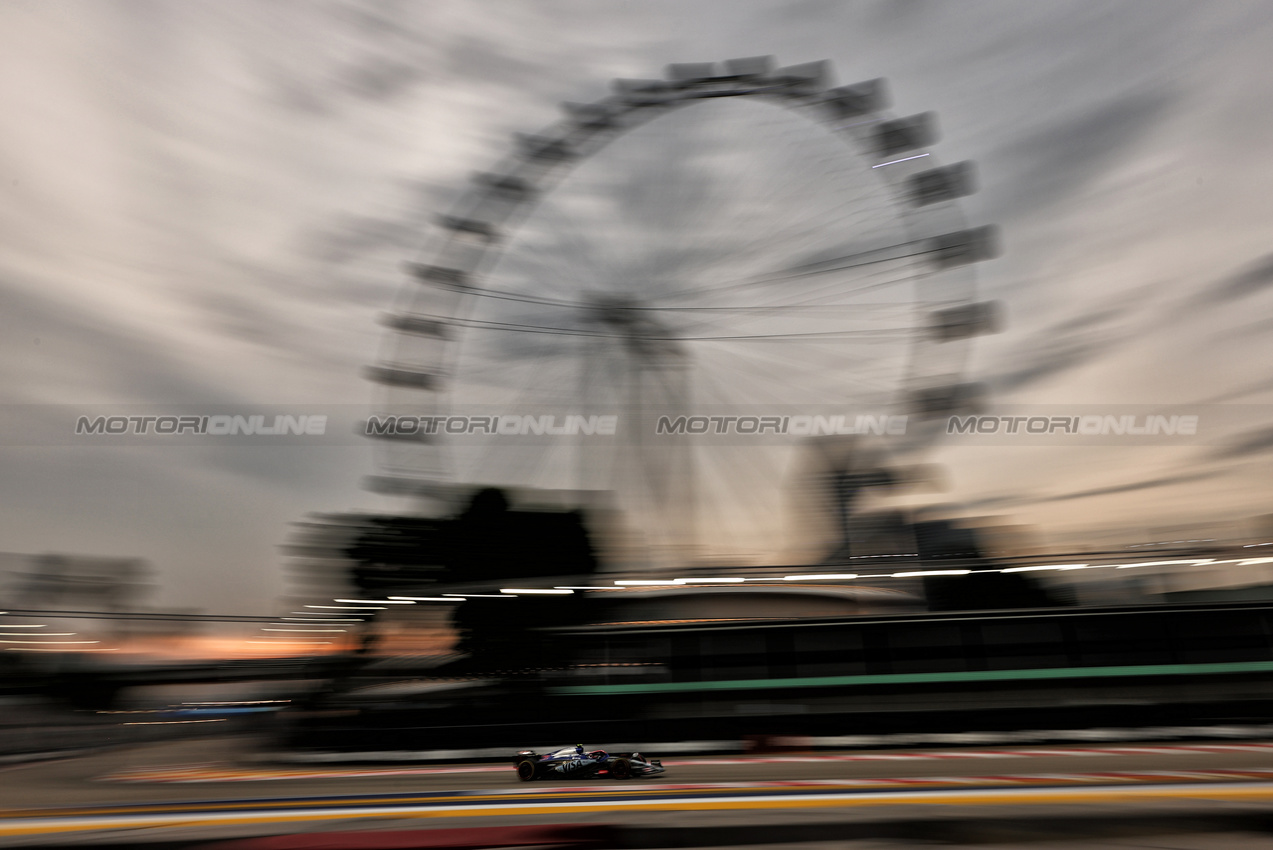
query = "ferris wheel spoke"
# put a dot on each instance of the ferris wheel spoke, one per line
(872, 369)
(808, 305)
(767, 245)
(780, 379)
(801, 236)
(527, 328)
(875, 256)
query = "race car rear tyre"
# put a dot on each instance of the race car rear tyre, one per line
(526, 770)
(621, 769)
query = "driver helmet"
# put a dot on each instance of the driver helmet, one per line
(579, 749)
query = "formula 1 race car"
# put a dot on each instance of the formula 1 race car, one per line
(575, 763)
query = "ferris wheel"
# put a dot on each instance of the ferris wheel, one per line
(682, 254)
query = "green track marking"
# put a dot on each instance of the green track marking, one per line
(924, 678)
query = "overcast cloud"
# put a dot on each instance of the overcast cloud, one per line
(210, 203)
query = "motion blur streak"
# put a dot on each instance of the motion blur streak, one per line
(735, 799)
(403, 384)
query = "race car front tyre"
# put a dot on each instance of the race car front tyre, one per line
(526, 770)
(621, 769)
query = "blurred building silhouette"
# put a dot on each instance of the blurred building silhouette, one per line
(490, 540)
(487, 543)
(76, 582)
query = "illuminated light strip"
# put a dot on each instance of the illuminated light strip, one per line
(15, 626)
(349, 607)
(803, 799)
(932, 573)
(551, 591)
(905, 159)
(460, 597)
(303, 630)
(373, 605)
(51, 642)
(1048, 567)
(42, 634)
(1197, 562)
(1192, 561)
(917, 678)
(56, 648)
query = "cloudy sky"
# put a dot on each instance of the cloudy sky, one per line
(209, 204)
